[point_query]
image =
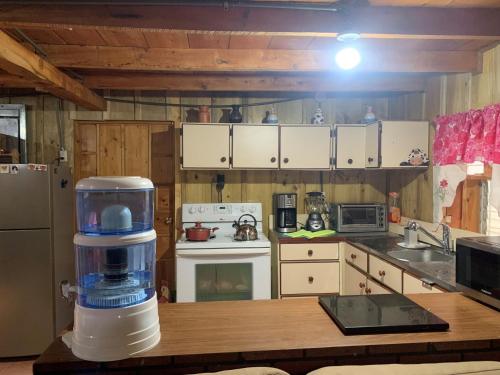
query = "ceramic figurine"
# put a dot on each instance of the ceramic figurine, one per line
(318, 117)
(272, 118)
(370, 116)
(235, 115)
(416, 158)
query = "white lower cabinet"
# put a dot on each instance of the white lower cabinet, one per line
(386, 273)
(309, 278)
(353, 281)
(412, 284)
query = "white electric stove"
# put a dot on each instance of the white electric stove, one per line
(222, 268)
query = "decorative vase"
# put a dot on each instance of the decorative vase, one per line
(192, 115)
(318, 117)
(204, 114)
(225, 116)
(235, 115)
(273, 117)
(370, 116)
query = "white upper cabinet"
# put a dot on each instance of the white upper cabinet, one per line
(350, 146)
(372, 145)
(205, 146)
(255, 146)
(399, 138)
(305, 147)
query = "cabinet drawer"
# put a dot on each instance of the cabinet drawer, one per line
(372, 287)
(353, 281)
(386, 273)
(357, 257)
(322, 251)
(412, 284)
(309, 278)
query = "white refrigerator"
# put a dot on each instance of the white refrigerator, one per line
(36, 254)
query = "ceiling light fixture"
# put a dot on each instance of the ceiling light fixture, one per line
(348, 58)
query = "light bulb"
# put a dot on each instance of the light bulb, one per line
(348, 58)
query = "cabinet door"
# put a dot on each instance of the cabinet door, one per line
(110, 158)
(350, 146)
(353, 281)
(413, 285)
(305, 147)
(386, 273)
(255, 146)
(372, 144)
(205, 146)
(136, 146)
(310, 278)
(399, 138)
(372, 287)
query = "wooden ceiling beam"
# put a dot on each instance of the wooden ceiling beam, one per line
(227, 60)
(420, 22)
(21, 62)
(251, 83)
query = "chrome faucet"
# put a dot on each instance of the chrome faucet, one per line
(445, 241)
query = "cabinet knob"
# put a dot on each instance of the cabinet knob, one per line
(223, 159)
(273, 159)
(353, 256)
(309, 252)
(310, 279)
(285, 160)
(350, 161)
(381, 273)
(370, 160)
(368, 291)
(362, 285)
(168, 220)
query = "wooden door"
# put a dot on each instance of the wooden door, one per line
(350, 146)
(372, 145)
(353, 281)
(305, 147)
(135, 148)
(205, 146)
(255, 146)
(399, 138)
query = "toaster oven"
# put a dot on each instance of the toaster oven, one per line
(358, 217)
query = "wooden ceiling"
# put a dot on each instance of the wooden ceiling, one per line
(153, 47)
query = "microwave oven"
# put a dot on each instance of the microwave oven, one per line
(478, 268)
(358, 217)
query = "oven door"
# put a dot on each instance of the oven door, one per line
(223, 274)
(361, 218)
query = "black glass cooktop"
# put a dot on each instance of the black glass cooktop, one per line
(383, 313)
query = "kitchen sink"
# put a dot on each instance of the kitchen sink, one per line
(420, 256)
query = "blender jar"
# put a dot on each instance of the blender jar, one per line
(114, 205)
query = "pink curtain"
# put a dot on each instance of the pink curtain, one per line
(468, 137)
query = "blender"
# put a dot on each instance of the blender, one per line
(315, 206)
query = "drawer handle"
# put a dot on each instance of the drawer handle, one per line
(353, 256)
(381, 273)
(368, 291)
(310, 279)
(350, 161)
(362, 285)
(223, 159)
(273, 159)
(285, 160)
(309, 252)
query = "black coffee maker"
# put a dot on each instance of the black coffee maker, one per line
(285, 212)
(315, 206)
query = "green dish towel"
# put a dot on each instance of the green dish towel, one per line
(307, 234)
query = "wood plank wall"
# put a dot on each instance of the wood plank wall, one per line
(248, 186)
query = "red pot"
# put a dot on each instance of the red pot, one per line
(198, 233)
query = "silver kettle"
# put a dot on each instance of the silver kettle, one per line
(245, 231)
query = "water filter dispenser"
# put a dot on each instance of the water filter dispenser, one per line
(116, 311)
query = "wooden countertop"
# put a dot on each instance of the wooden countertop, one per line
(287, 325)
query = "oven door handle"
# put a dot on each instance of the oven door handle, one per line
(223, 252)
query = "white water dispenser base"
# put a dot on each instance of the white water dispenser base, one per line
(112, 334)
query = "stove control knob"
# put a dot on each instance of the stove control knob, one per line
(192, 209)
(201, 209)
